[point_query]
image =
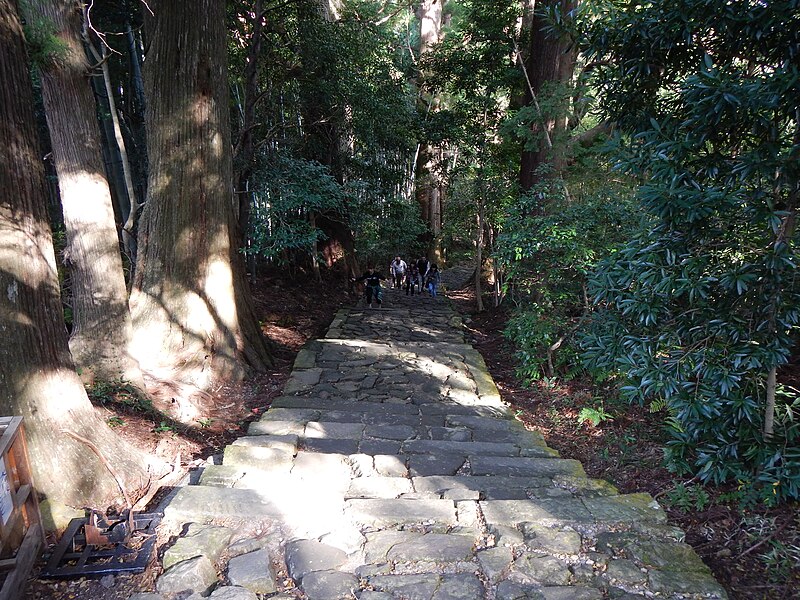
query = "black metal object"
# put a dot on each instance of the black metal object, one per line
(76, 557)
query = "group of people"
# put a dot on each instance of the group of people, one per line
(421, 275)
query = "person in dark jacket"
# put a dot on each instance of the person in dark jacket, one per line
(372, 288)
(423, 265)
(433, 280)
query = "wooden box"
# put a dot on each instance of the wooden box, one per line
(21, 534)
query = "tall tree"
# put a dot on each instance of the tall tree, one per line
(102, 328)
(37, 377)
(549, 65)
(429, 179)
(192, 311)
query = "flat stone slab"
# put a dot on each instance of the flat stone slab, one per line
(306, 556)
(252, 571)
(258, 458)
(303, 510)
(274, 427)
(541, 512)
(388, 513)
(411, 587)
(525, 467)
(435, 547)
(330, 585)
(334, 430)
(205, 540)
(202, 503)
(196, 575)
(436, 447)
(284, 443)
(625, 508)
(379, 487)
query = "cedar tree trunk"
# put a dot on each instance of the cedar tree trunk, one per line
(548, 61)
(193, 316)
(37, 377)
(101, 322)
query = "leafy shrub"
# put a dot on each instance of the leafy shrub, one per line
(701, 305)
(547, 247)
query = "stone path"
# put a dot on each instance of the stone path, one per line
(390, 469)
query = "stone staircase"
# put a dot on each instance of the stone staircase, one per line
(390, 469)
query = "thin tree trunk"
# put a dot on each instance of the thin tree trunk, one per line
(136, 109)
(769, 413)
(102, 330)
(245, 146)
(428, 170)
(37, 377)
(479, 256)
(193, 315)
(129, 224)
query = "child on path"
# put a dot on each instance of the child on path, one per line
(372, 289)
(398, 269)
(411, 280)
(433, 280)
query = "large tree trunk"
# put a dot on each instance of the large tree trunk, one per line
(37, 378)
(102, 329)
(547, 62)
(193, 317)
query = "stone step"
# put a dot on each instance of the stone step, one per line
(320, 404)
(303, 511)
(607, 511)
(525, 466)
(461, 448)
(284, 443)
(386, 513)
(257, 458)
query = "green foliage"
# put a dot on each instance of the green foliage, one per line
(547, 247)
(290, 190)
(115, 421)
(335, 124)
(45, 49)
(164, 427)
(594, 415)
(385, 229)
(688, 497)
(782, 560)
(702, 303)
(103, 392)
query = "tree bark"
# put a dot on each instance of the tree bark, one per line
(37, 377)
(102, 328)
(245, 146)
(193, 316)
(429, 185)
(548, 61)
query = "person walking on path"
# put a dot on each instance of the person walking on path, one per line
(423, 266)
(372, 288)
(433, 279)
(398, 269)
(412, 279)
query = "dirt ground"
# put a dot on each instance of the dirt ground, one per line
(754, 553)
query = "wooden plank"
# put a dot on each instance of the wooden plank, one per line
(22, 495)
(28, 552)
(9, 434)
